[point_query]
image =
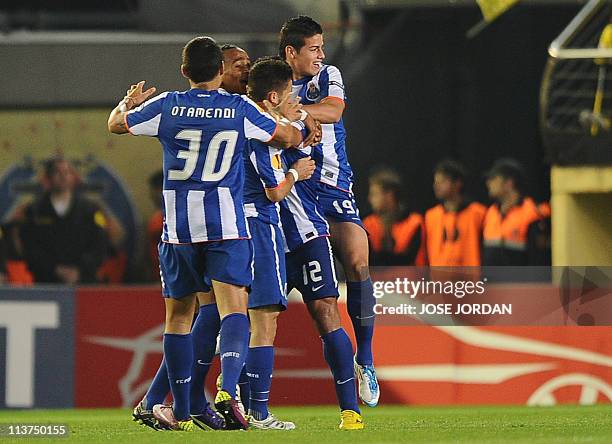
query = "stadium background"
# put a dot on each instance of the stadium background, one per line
(418, 90)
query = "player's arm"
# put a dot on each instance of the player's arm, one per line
(287, 134)
(329, 110)
(134, 97)
(300, 170)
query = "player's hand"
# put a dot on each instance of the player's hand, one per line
(136, 96)
(288, 108)
(305, 168)
(314, 131)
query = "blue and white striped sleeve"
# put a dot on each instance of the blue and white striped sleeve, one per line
(268, 164)
(144, 120)
(258, 124)
(331, 83)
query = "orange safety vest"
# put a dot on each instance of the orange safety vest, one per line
(505, 236)
(402, 231)
(453, 237)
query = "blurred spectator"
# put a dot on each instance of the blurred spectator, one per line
(396, 236)
(156, 221)
(453, 228)
(515, 228)
(63, 233)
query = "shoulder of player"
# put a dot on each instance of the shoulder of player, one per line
(242, 100)
(330, 72)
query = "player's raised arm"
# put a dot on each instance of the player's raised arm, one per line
(302, 169)
(117, 122)
(329, 110)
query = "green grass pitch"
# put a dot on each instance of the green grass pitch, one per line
(384, 424)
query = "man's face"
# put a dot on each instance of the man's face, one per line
(62, 177)
(442, 186)
(236, 65)
(445, 187)
(308, 61)
(380, 200)
(497, 186)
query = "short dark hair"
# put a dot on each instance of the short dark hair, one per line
(451, 169)
(295, 30)
(387, 179)
(268, 74)
(227, 46)
(509, 168)
(202, 59)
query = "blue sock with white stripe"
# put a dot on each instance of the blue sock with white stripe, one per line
(159, 388)
(178, 350)
(204, 331)
(234, 345)
(260, 363)
(243, 385)
(338, 352)
(360, 302)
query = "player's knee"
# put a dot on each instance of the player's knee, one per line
(178, 324)
(325, 314)
(357, 268)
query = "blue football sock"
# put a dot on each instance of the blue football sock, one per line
(338, 353)
(204, 332)
(244, 386)
(178, 352)
(360, 303)
(234, 345)
(260, 362)
(159, 388)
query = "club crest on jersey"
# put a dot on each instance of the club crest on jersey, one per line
(313, 92)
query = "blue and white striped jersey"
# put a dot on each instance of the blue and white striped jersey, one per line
(333, 167)
(262, 169)
(300, 212)
(203, 135)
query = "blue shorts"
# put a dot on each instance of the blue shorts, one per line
(338, 205)
(270, 281)
(311, 270)
(187, 268)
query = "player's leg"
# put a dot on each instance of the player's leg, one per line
(311, 270)
(350, 243)
(178, 354)
(234, 339)
(182, 273)
(204, 331)
(338, 353)
(266, 301)
(260, 364)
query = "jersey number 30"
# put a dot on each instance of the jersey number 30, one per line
(212, 153)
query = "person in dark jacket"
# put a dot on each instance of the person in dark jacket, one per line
(63, 233)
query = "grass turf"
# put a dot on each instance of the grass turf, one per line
(319, 425)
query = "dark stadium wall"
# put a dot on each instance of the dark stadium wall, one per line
(419, 90)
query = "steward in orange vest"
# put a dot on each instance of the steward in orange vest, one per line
(453, 229)
(396, 236)
(514, 225)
